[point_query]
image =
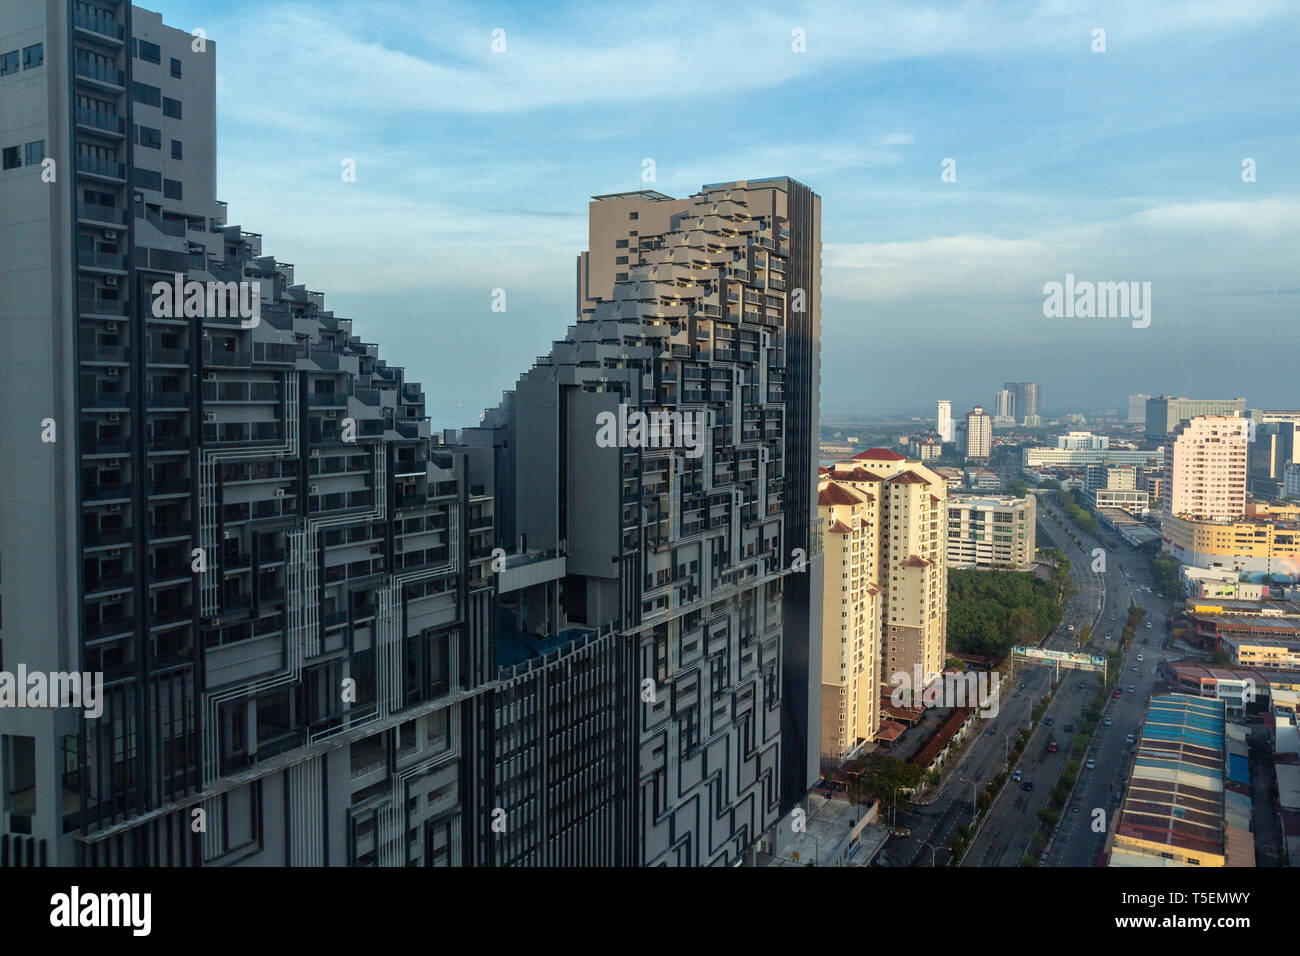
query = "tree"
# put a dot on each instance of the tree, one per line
(1017, 488)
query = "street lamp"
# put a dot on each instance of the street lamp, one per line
(974, 809)
(931, 846)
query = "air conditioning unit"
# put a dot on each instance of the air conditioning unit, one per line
(209, 416)
(111, 371)
(110, 234)
(313, 490)
(113, 416)
(110, 326)
(110, 281)
(279, 492)
(114, 509)
(210, 376)
(112, 463)
(115, 553)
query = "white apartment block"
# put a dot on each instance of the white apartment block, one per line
(943, 421)
(991, 531)
(979, 433)
(1205, 468)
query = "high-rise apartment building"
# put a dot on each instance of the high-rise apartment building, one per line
(851, 631)
(305, 608)
(904, 502)
(1274, 445)
(216, 496)
(1205, 468)
(943, 422)
(991, 531)
(689, 570)
(979, 433)
(1164, 412)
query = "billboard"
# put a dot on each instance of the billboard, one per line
(1093, 660)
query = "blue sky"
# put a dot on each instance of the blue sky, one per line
(474, 169)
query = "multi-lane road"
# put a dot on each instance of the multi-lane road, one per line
(1101, 603)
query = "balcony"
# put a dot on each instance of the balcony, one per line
(108, 261)
(110, 307)
(100, 214)
(99, 25)
(111, 627)
(103, 75)
(101, 122)
(167, 400)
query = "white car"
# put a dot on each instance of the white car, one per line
(1109, 721)
(1091, 764)
(1016, 775)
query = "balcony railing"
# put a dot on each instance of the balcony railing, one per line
(98, 212)
(97, 24)
(104, 74)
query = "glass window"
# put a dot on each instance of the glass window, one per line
(144, 93)
(148, 136)
(171, 108)
(35, 153)
(149, 52)
(176, 149)
(8, 63)
(33, 56)
(172, 189)
(12, 157)
(176, 68)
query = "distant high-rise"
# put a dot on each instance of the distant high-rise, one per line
(943, 423)
(1026, 402)
(1205, 468)
(1137, 408)
(1004, 408)
(1164, 412)
(979, 433)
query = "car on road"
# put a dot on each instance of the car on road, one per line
(989, 732)
(1027, 785)
(1069, 728)
(1148, 623)
(1140, 658)
(1052, 748)
(1130, 738)
(1118, 693)
(1130, 688)
(1108, 721)
(1091, 764)
(1017, 775)
(1082, 685)
(1134, 668)
(1047, 721)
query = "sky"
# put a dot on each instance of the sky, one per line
(967, 155)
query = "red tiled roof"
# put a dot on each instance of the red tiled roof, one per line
(834, 494)
(823, 470)
(909, 478)
(840, 527)
(879, 454)
(888, 730)
(856, 474)
(915, 562)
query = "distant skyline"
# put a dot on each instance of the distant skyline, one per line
(474, 168)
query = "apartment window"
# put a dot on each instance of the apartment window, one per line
(35, 153)
(171, 107)
(148, 136)
(172, 189)
(633, 215)
(176, 149)
(149, 52)
(146, 94)
(11, 157)
(146, 179)
(176, 68)
(8, 63)
(33, 56)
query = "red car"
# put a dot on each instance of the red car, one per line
(1052, 748)
(1118, 693)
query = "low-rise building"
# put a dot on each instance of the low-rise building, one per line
(1255, 544)
(991, 532)
(1173, 812)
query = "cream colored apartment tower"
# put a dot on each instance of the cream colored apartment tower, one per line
(906, 504)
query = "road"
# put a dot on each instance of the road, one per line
(1104, 597)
